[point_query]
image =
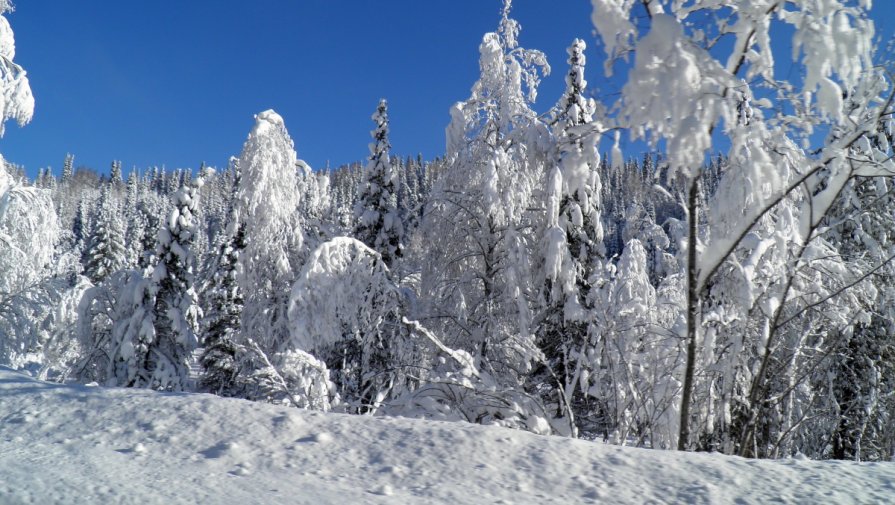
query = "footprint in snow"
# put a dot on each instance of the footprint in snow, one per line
(219, 450)
(383, 490)
(317, 438)
(137, 449)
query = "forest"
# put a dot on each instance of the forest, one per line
(730, 289)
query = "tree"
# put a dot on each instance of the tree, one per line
(680, 93)
(115, 177)
(29, 228)
(220, 359)
(479, 225)
(68, 168)
(268, 200)
(345, 309)
(377, 221)
(29, 231)
(105, 252)
(572, 241)
(140, 330)
(175, 314)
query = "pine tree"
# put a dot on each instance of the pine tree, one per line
(377, 221)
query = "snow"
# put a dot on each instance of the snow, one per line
(266, 120)
(78, 444)
(610, 18)
(16, 100)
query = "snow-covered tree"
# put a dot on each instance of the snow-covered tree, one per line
(220, 359)
(572, 242)
(105, 252)
(140, 330)
(114, 325)
(176, 315)
(115, 176)
(377, 221)
(17, 102)
(68, 168)
(29, 232)
(476, 279)
(631, 363)
(268, 200)
(345, 309)
(680, 95)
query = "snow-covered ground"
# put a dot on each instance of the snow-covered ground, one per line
(76, 444)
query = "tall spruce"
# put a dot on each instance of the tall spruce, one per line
(378, 223)
(175, 312)
(220, 359)
(572, 245)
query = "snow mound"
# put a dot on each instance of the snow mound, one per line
(77, 444)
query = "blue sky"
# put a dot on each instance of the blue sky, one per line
(177, 83)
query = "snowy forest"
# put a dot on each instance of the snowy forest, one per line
(727, 289)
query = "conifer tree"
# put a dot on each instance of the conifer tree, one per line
(377, 221)
(167, 354)
(220, 359)
(68, 168)
(115, 176)
(572, 245)
(105, 252)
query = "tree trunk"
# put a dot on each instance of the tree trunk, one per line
(692, 314)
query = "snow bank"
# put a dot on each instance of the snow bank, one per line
(77, 444)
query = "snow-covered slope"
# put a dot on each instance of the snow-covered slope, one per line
(69, 444)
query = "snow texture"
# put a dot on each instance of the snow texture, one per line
(78, 444)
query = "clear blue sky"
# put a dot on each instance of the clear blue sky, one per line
(176, 83)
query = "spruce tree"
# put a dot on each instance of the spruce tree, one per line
(166, 362)
(68, 168)
(105, 252)
(219, 358)
(115, 174)
(378, 223)
(572, 244)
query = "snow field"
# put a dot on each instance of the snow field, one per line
(64, 444)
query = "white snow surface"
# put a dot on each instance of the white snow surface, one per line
(79, 444)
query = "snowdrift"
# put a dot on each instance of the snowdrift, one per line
(79, 444)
